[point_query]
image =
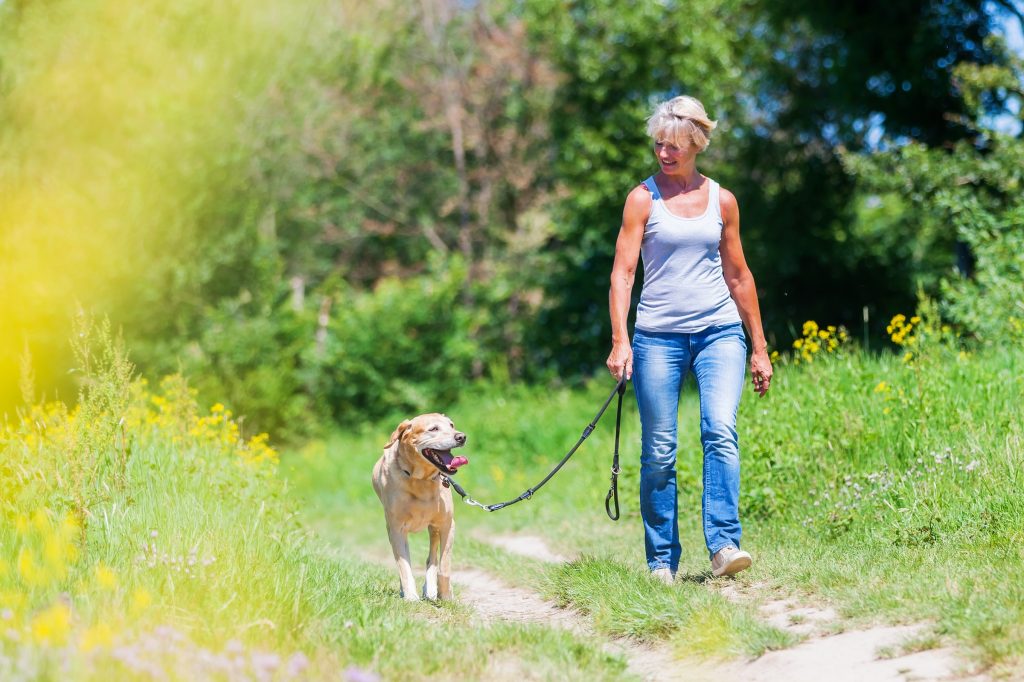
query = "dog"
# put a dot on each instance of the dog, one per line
(407, 479)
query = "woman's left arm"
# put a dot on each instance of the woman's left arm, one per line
(741, 285)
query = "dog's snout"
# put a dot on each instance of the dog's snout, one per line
(460, 438)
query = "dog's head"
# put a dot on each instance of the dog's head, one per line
(432, 436)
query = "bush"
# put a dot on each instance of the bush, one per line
(404, 346)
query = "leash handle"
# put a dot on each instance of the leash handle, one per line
(613, 491)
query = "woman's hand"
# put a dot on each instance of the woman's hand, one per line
(761, 371)
(620, 361)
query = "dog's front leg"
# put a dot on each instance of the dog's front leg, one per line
(446, 537)
(400, 548)
(430, 584)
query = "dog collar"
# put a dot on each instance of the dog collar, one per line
(408, 474)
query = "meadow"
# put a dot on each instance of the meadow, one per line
(143, 537)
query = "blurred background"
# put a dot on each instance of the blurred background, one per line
(321, 212)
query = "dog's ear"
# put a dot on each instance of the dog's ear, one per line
(399, 432)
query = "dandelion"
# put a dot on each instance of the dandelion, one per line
(29, 569)
(141, 600)
(99, 636)
(52, 625)
(105, 577)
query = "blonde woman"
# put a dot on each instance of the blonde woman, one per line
(697, 294)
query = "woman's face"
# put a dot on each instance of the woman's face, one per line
(673, 156)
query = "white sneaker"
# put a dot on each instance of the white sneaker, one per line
(730, 560)
(663, 575)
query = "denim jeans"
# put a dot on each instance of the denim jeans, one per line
(661, 360)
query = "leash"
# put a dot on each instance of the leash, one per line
(613, 492)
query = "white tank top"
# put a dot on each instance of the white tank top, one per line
(684, 290)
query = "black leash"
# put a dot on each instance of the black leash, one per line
(613, 492)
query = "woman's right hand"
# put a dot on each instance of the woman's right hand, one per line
(620, 361)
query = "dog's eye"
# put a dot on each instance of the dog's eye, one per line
(434, 428)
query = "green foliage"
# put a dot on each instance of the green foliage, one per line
(293, 361)
(989, 304)
(405, 345)
(313, 147)
(970, 193)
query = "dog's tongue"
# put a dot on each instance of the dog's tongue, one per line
(454, 462)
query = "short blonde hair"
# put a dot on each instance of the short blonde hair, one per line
(681, 121)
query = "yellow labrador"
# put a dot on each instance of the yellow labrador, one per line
(407, 479)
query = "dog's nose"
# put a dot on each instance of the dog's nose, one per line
(460, 438)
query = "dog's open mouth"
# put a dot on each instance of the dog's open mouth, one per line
(444, 460)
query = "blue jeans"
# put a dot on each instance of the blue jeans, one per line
(661, 360)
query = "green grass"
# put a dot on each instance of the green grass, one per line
(156, 543)
(895, 502)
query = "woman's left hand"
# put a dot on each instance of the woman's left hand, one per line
(761, 371)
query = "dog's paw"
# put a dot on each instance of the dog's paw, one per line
(430, 594)
(412, 596)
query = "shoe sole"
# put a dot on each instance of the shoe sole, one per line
(734, 566)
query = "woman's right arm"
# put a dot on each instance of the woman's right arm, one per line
(627, 253)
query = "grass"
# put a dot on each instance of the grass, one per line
(151, 538)
(889, 489)
(151, 541)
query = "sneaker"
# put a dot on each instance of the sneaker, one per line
(730, 560)
(663, 575)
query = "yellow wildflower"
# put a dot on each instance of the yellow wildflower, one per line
(52, 625)
(141, 600)
(97, 637)
(29, 569)
(105, 577)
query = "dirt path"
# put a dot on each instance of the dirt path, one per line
(849, 656)
(494, 600)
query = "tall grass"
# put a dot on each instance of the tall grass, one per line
(142, 537)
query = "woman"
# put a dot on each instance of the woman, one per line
(697, 290)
